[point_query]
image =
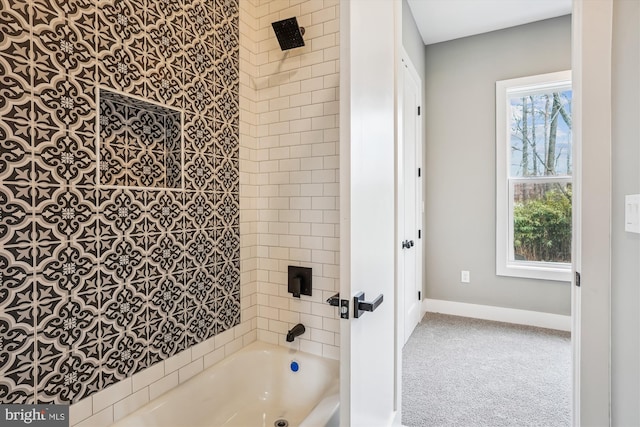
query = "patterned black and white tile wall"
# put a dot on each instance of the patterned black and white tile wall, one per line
(107, 268)
(140, 143)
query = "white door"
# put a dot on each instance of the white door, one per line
(410, 197)
(368, 374)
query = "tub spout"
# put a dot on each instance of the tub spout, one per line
(295, 331)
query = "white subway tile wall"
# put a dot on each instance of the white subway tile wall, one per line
(296, 171)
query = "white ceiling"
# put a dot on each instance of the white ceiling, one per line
(442, 20)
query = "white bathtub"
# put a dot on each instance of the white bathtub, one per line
(252, 388)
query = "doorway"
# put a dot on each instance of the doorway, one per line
(592, 22)
(460, 213)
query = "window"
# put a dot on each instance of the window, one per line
(534, 165)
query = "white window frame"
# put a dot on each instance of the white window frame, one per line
(506, 264)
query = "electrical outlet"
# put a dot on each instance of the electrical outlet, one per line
(464, 276)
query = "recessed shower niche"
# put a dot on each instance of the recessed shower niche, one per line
(140, 143)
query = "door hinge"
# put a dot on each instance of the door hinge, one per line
(419, 172)
(419, 296)
(418, 110)
(577, 278)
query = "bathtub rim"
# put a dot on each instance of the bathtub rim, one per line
(325, 412)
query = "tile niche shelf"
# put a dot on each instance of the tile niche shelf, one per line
(140, 143)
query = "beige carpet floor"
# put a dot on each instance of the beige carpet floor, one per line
(474, 373)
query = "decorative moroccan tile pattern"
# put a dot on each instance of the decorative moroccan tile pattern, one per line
(15, 91)
(64, 324)
(164, 212)
(72, 10)
(199, 170)
(16, 331)
(169, 10)
(200, 249)
(164, 40)
(226, 108)
(123, 211)
(228, 210)
(228, 9)
(68, 157)
(119, 238)
(73, 269)
(199, 211)
(140, 143)
(67, 377)
(119, 68)
(165, 298)
(122, 22)
(127, 355)
(166, 337)
(63, 102)
(70, 212)
(15, 152)
(199, 97)
(226, 175)
(224, 74)
(16, 221)
(198, 59)
(228, 244)
(164, 84)
(61, 45)
(14, 29)
(199, 19)
(199, 134)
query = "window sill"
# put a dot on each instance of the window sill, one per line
(549, 271)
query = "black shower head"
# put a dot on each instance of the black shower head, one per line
(289, 34)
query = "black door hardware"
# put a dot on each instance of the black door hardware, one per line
(407, 244)
(334, 300)
(360, 305)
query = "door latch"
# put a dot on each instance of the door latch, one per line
(343, 305)
(344, 308)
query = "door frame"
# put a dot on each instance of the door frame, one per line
(592, 24)
(576, 87)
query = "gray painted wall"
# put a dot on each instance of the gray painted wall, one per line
(625, 256)
(460, 78)
(411, 40)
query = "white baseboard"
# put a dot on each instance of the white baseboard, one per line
(498, 314)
